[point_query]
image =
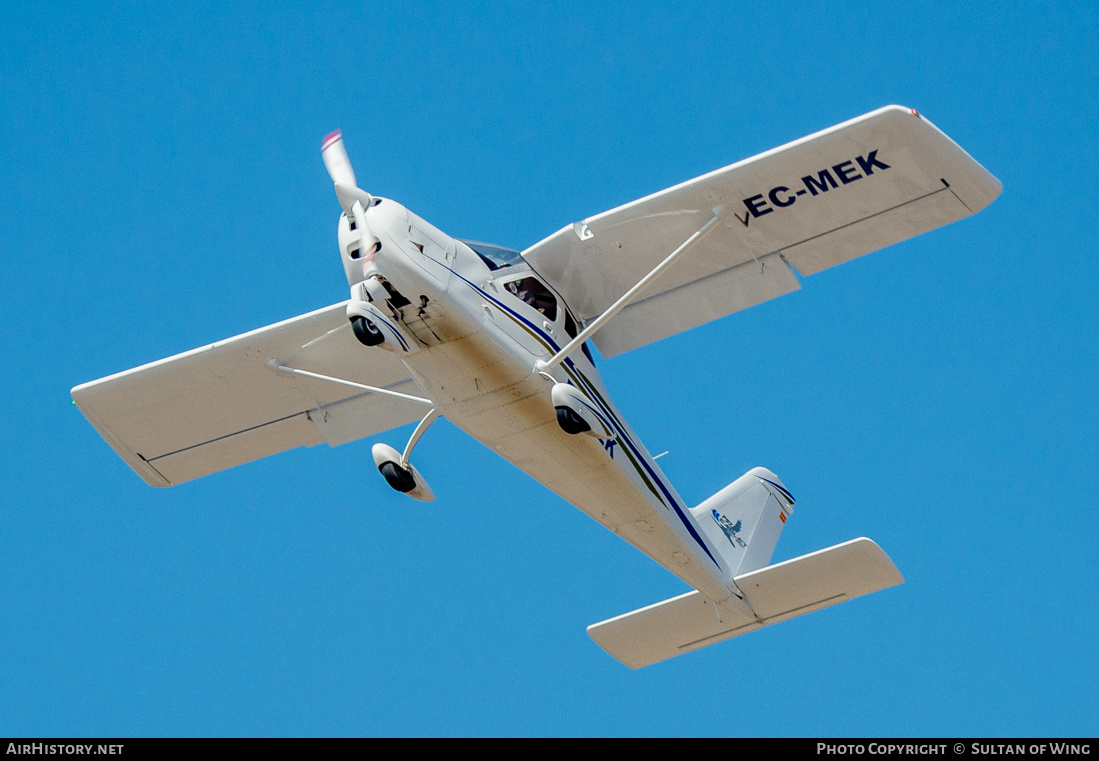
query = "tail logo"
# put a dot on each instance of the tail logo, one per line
(730, 529)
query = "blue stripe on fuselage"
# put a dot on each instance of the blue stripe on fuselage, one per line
(594, 397)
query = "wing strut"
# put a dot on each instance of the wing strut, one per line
(544, 366)
(274, 363)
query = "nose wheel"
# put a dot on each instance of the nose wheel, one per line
(366, 331)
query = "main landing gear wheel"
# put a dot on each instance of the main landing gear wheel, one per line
(570, 422)
(367, 332)
(397, 477)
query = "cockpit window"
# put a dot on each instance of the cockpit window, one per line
(495, 256)
(530, 291)
(570, 325)
(570, 328)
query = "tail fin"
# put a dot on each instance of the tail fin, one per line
(746, 518)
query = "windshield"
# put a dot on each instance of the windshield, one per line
(495, 256)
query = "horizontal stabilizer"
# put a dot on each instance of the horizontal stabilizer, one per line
(775, 593)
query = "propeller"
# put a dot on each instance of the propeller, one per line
(343, 176)
(357, 242)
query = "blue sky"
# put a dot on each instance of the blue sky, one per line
(163, 188)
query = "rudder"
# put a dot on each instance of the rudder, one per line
(746, 518)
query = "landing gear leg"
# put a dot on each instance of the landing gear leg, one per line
(429, 418)
(398, 471)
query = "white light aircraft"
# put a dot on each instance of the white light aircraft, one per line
(495, 340)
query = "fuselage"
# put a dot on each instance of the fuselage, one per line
(476, 325)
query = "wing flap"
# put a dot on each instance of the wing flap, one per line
(221, 405)
(818, 201)
(366, 414)
(776, 593)
(711, 296)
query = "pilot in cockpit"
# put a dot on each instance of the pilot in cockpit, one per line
(517, 289)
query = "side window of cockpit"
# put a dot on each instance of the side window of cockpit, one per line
(570, 325)
(530, 291)
(570, 328)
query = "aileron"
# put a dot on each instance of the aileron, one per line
(817, 202)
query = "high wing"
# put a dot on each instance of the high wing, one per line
(813, 203)
(222, 405)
